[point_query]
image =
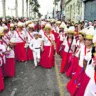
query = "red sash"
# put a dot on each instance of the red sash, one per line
(95, 77)
(20, 37)
(4, 41)
(30, 35)
(51, 48)
(48, 38)
(85, 51)
(7, 37)
(69, 44)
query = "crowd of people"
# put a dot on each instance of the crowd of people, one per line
(38, 40)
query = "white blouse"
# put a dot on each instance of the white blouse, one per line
(91, 87)
(67, 47)
(46, 41)
(2, 50)
(30, 37)
(22, 35)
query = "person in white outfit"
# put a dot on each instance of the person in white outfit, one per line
(36, 46)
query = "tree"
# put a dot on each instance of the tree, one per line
(35, 7)
(4, 8)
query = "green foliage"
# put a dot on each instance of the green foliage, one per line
(35, 6)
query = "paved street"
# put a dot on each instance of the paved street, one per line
(36, 82)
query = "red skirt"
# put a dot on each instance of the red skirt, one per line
(20, 52)
(65, 64)
(1, 80)
(77, 85)
(73, 67)
(47, 57)
(56, 35)
(58, 44)
(61, 51)
(29, 54)
(9, 67)
(83, 86)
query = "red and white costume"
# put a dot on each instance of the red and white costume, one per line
(47, 56)
(67, 55)
(10, 63)
(2, 50)
(91, 87)
(75, 61)
(29, 51)
(20, 51)
(77, 85)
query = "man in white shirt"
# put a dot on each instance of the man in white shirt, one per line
(35, 46)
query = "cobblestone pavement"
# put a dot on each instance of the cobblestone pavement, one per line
(36, 82)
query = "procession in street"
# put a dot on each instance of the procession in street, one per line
(47, 56)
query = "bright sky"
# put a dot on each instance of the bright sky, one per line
(46, 6)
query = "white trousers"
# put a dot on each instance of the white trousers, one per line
(36, 55)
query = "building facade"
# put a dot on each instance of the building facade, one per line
(73, 10)
(90, 10)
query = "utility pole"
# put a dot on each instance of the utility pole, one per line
(22, 8)
(16, 8)
(61, 10)
(4, 8)
(27, 8)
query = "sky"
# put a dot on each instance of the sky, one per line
(46, 6)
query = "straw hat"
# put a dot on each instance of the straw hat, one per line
(5, 28)
(11, 25)
(31, 25)
(82, 32)
(71, 30)
(58, 22)
(35, 33)
(63, 25)
(1, 31)
(48, 26)
(20, 24)
(89, 36)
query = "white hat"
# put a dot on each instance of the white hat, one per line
(34, 33)
(28, 22)
(3, 19)
(58, 22)
(11, 25)
(31, 25)
(5, 28)
(63, 25)
(20, 24)
(71, 30)
(90, 31)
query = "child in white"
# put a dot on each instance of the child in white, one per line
(35, 46)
